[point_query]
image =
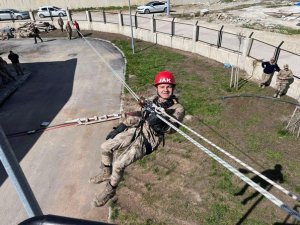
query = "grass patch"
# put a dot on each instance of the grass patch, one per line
(282, 133)
(274, 155)
(144, 161)
(216, 214)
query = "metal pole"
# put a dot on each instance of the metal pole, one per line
(168, 7)
(17, 177)
(132, 40)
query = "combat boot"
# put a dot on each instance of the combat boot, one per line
(105, 196)
(101, 177)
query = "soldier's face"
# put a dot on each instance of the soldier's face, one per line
(165, 91)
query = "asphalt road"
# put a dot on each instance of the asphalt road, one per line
(68, 81)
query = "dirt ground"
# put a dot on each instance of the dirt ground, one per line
(261, 13)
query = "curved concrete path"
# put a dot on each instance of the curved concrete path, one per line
(67, 81)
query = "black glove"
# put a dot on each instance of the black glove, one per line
(120, 128)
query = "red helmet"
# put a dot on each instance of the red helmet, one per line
(164, 77)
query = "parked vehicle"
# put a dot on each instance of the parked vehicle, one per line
(45, 11)
(154, 6)
(12, 14)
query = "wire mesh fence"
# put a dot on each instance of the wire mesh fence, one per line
(97, 16)
(257, 46)
(144, 22)
(126, 20)
(285, 57)
(183, 30)
(112, 17)
(233, 42)
(163, 26)
(208, 35)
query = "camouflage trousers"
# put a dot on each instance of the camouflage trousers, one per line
(281, 86)
(133, 150)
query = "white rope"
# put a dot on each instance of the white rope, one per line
(290, 194)
(265, 193)
(109, 66)
(268, 195)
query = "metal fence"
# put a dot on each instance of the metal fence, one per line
(205, 35)
(184, 30)
(163, 26)
(98, 16)
(126, 20)
(217, 37)
(111, 17)
(234, 42)
(144, 22)
(285, 57)
(269, 50)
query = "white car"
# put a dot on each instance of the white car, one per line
(154, 6)
(9, 14)
(51, 11)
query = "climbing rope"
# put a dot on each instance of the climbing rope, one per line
(79, 121)
(264, 192)
(295, 197)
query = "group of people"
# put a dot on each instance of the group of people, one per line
(284, 76)
(68, 28)
(36, 32)
(5, 74)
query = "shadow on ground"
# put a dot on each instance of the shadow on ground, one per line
(40, 99)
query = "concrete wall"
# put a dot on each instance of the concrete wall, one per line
(74, 4)
(250, 65)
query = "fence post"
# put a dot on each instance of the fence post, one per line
(173, 27)
(196, 32)
(277, 51)
(88, 16)
(135, 20)
(31, 15)
(18, 179)
(104, 16)
(248, 45)
(219, 44)
(69, 15)
(121, 21)
(153, 24)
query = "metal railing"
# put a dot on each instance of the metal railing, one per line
(214, 37)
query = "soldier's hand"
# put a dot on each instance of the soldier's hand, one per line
(120, 128)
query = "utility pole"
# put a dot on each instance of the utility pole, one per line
(132, 40)
(168, 7)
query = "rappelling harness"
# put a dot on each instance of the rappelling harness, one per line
(148, 113)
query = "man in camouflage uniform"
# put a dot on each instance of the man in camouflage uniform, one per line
(140, 134)
(61, 23)
(283, 78)
(69, 30)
